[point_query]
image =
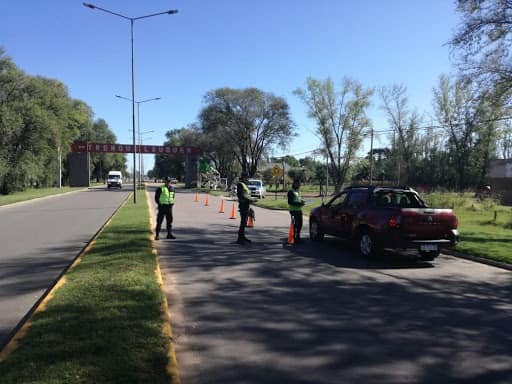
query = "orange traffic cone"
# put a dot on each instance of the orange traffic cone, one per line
(233, 213)
(291, 234)
(221, 210)
(206, 201)
(196, 200)
(250, 222)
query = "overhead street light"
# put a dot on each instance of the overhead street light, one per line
(132, 20)
(138, 127)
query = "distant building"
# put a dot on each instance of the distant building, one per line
(500, 179)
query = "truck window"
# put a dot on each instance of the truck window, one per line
(357, 199)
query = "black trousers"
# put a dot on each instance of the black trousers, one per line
(164, 211)
(244, 214)
(297, 220)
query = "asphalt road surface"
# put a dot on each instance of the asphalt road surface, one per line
(39, 239)
(317, 313)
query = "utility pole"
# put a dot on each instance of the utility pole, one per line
(371, 157)
(284, 188)
(327, 175)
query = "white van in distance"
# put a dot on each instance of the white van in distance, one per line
(115, 179)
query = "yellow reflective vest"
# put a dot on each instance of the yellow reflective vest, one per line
(166, 196)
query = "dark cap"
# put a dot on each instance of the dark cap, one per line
(167, 178)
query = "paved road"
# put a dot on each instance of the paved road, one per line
(316, 313)
(39, 239)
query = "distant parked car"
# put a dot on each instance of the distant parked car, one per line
(257, 188)
(174, 180)
(385, 218)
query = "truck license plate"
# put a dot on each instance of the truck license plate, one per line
(428, 247)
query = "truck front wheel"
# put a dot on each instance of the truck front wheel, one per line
(315, 233)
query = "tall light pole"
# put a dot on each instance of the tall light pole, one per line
(132, 19)
(138, 125)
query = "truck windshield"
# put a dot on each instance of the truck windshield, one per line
(397, 199)
(114, 177)
(256, 183)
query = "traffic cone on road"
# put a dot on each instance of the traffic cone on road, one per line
(221, 210)
(196, 200)
(233, 213)
(206, 201)
(291, 234)
(250, 222)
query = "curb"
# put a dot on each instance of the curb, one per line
(24, 324)
(172, 362)
(478, 259)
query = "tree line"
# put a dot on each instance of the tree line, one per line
(240, 129)
(38, 123)
(452, 147)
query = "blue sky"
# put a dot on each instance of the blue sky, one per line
(273, 45)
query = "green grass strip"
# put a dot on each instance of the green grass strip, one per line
(30, 194)
(482, 236)
(104, 325)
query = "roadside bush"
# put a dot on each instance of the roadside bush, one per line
(448, 200)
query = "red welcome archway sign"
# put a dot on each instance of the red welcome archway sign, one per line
(82, 146)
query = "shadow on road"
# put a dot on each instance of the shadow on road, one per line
(316, 313)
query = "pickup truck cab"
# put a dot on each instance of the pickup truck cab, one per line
(385, 218)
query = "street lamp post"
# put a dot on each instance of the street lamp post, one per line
(138, 125)
(132, 19)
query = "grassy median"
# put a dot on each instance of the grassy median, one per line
(30, 194)
(104, 325)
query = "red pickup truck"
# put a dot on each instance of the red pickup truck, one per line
(385, 218)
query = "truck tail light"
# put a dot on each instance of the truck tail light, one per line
(394, 221)
(453, 221)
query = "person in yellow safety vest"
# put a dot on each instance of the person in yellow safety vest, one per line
(295, 204)
(164, 198)
(244, 200)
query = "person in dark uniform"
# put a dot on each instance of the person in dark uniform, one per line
(164, 197)
(244, 200)
(295, 204)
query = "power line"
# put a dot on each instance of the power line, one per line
(424, 128)
(433, 127)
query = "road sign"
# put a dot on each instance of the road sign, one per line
(276, 171)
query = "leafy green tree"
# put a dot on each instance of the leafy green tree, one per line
(38, 122)
(469, 117)
(168, 165)
(405, 124)
(341, 118)
(505, 139)
(250, 122)
(482, 42)
(214, 127)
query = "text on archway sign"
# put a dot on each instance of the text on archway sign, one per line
(78, 146)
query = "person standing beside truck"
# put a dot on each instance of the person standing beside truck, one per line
(164, 198)
(295, 204)
(244, 201)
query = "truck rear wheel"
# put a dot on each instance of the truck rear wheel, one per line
(367, 245)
